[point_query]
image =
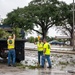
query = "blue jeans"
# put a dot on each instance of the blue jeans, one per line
(48, 59)
(11, 57)
(40, 53)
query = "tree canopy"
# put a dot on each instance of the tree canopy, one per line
(40, 13)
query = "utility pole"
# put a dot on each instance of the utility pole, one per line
(73, 26)
(0, 19)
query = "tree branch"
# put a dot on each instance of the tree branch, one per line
(37, 31)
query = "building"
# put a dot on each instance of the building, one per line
(6, 28)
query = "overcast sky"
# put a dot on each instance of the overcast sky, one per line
(7, 6)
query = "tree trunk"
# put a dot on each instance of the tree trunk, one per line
(44, 34)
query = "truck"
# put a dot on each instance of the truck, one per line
(19, 48)
(19, 44)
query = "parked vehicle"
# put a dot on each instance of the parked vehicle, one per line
(55, 42)
(67, 43)
(19, 44)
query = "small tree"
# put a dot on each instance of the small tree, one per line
(31, 39)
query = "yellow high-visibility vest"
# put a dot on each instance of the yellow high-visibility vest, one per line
(40, 46)
(47, 48)
(11, 43)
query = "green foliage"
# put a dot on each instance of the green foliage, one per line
(17, 30)
(40, 13)
(35, 39)
(31, 39)
(63, 63)
(33, 67)
(3, 34)
(26, 66)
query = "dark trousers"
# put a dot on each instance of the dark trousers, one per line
(48, 59)
(40, 53)
(11, 57)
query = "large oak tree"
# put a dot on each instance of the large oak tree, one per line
(40, 13)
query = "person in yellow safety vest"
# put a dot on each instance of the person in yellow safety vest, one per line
(38, 37)
(40, 50)
(46, 54)
(11, 48)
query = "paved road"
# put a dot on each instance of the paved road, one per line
(53, 47)
(5, 70)
(17, 71)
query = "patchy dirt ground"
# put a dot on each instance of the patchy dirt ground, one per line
(62, 64)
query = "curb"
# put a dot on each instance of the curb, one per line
(55, 51)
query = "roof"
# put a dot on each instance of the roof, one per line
(5, 27)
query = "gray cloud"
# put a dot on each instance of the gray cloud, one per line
(7, 6)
